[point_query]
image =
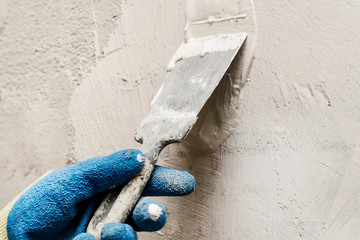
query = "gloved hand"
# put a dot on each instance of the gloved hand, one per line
(60, 205)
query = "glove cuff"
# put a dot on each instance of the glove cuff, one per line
(5, 211)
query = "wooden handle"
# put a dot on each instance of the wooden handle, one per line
(116, 206)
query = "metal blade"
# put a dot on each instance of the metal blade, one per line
(184, 92)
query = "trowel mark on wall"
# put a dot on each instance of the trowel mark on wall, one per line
(107, 15)
(312, 94)
(3, 13)
(204, 18)
(134, 50)
(219, 116)
(306, 93)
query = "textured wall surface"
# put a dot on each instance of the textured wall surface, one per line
(76, 77)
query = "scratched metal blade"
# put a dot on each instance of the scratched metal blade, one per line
(183, 94)
(191, 82)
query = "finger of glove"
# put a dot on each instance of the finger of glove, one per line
(85, 179)
(148, 215)
(118, 231)
(84, 236)
(169, 182)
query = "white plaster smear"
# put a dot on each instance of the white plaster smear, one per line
(154, 211)
(77, 78)
(140, 158)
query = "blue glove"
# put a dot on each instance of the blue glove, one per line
(60, 205)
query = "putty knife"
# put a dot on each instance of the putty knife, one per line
(195, 70)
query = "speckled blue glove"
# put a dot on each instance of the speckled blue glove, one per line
(60, 205)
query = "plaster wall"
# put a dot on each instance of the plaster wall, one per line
(76, 78)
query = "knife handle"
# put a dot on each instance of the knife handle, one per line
(118, 204)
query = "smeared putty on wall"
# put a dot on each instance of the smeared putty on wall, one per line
(218, 118)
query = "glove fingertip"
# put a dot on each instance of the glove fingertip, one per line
(130, 158)
(84, 236)
(169, 182)
(148, 215)
(118, 231)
